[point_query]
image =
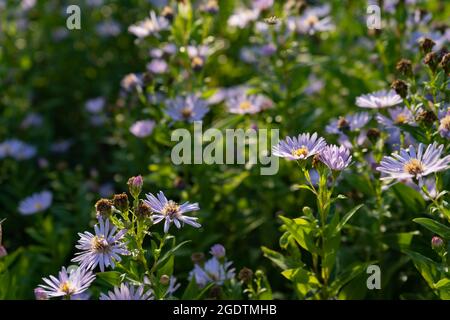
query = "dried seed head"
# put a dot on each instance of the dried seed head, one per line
(404, 67)
(245, 275)
(198, 257)
(400, 87)
(426, 45)
(103, 207)
(120, 201)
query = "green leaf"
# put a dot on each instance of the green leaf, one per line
(169, 253)
(427, 267)
(300, 229)
(351, 272)
(410, 198)
(275, 257)
(347, 217)
(434, 226)
(111, 277)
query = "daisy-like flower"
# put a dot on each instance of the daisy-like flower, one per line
(142, 128)
(379, 99)
(170, 211)
(243, 103)
(69, 282)
(102, 249)
(95, 105)
(189, 108)
(32, 120)
(243, 17)
(299, 148)
(336, 158)
(212, 271)
(152, 25)
(313, 20)
(351, 123)
(128, 292)
(37, 202)
(444, 123)
(412, 164)
(157, 66)
(397, 116)
(16, 149)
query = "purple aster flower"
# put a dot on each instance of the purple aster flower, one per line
(336, 158)
(262, 4)
(190, 108)
(397, 116)
(379, 99)
(40, 294)
(243, 17)
(109, 28)
(61, 146)
(69, 282)
(351, 123)
(150, 26)
(142, 128)
(444, 123)
(32, 120)
(314, 85)
(242, 103)
(102, 249)
(173, 286)
(170, 211)
(299, 148)
(412, 164)
(313, 20)
(16, 149)
(212, 271)
(217, 251)
(95, 105)
(37, 202)
(128, 292)
(157, 66)
(131, 81)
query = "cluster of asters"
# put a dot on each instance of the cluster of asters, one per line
(107, 245)
(402, 119)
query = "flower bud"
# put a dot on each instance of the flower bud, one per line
(197, 63)
(164, 280)
(120, 201)
(245, 275)
(103, 207)
(404, 67)
(40, 294)
(135, 186)
(437, 244)
(400, 87)
(426, 45)
(218, 251)
(3, 251)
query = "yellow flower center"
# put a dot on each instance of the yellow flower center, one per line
(197, 62)
(99, 244)
(245, 105)
(38, 206)
(171, 209)
(311, 20)
(300, 152)
(414, 167)
(186, 112)
(66, 287)
(401, 118)
(445, 123)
